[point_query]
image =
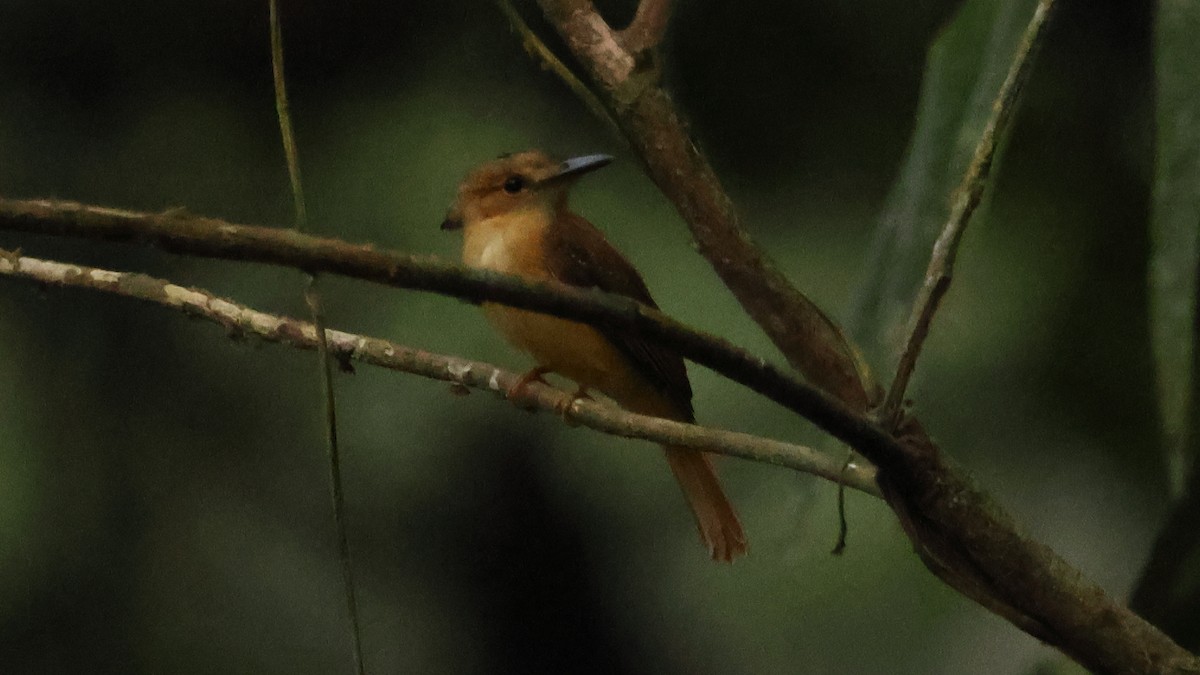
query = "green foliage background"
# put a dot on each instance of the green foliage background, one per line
(163, 506)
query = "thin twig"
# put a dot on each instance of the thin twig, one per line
(313, 299)
(285, 119)
(967, 197)
(240, 320)
(648, 27)
(538, 49)
(336, 491)
(916, 206)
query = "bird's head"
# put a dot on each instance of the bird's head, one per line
(525, 181)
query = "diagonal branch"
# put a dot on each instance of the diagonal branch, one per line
(966, 199)
(240, 320)
(810, 341)
(960, 535)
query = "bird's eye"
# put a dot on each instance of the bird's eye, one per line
(514, 184)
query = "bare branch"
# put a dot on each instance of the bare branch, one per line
(967, 198)
(960, 535)
(208, 237)
(648, 27)
(313, 299)
(809, 340)
(241, 320)
(282, 111)
(336, 492)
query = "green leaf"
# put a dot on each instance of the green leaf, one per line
(1175, 231)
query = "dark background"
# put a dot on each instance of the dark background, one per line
(163, 503)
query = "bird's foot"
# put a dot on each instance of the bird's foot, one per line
(517, 392)
(563, 408)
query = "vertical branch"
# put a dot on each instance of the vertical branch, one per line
(312, 298)
(285, 118)
(336, 493)
(967, 198)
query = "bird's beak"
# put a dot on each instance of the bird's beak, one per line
(576, 167)
(453, 219)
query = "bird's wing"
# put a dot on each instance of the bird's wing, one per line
(581, 256)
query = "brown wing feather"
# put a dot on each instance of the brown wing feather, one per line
(581, 256)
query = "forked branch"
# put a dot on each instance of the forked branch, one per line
(959, 534)
(808, 339)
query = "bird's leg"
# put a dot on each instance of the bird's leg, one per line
(564, 406)
(517, 391)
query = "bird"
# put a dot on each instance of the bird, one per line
(514, 218)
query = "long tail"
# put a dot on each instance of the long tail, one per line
(718, 524)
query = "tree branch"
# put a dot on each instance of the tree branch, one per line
(313, 298)
(967, 197)
(959, 534)
(334, 453)
(283, 113)
(808, 339)
(239, 320)
(179, 232)
(648, 27)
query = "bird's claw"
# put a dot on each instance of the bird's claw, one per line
(563, 407)
(517, 392)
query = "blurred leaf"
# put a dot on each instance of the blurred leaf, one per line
(1174, 272)
(964, 69)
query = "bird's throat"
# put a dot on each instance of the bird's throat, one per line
(510, 243)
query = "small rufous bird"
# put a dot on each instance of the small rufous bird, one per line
(514, 217)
